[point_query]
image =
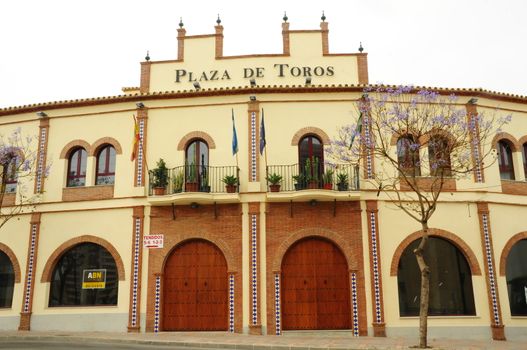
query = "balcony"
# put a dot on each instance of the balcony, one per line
(195, 184)
(339, 182)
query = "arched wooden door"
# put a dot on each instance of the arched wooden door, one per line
(315, 286)
(195, 288)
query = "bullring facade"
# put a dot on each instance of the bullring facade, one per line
(307, 257)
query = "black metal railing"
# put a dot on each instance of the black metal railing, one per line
(197, 178)
(340, 177)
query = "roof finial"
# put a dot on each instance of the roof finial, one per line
(285, 17)
(323, 18)
(180, 22)
(218, 20)
(360, 47)
(147, 55)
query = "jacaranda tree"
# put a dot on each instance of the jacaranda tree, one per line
(412, 143)
(18, 169)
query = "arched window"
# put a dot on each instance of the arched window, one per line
(439, 156)
(85, 275)
(450, 280)
(524, 154)
(77, 168)
(9, 173)
(408, 156)
(311, 159)
(517, 278)
(7, 280)
(105, 166)
(505, 160)
(197, 165)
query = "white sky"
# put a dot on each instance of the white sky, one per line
(66, 49)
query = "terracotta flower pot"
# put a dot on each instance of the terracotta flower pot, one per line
(328, 186)
(191, 187)
(231, 188)
(274, 188)
(159, 191)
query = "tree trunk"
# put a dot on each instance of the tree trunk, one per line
(425, 287)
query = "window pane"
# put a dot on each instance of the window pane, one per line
(77, 168)
(450, 280)
(517, 278)
(106, 166)
(67, 277)
(7, 280)
(505, 160)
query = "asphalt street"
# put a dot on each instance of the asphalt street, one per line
(66, 345)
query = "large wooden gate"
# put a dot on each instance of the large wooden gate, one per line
(195, 294)
(315, 286)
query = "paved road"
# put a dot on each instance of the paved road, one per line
(66, 345)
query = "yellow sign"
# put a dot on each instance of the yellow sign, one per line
(94, 279)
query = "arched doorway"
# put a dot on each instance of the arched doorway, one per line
(195, 288)
(315, 286)
(517, 278)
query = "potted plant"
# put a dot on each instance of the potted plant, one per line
(300, 182)
(177, 181)
(160, 178)
(327, 178)
(230, 182)
(342, 181)
(205, 187)
(191, 183)
(311, 173)
(274, 180)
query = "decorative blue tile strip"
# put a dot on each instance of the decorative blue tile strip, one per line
(477, 160)
(253, 146)
(30, 268)
(254, 270)
(156, 304)
(140, 153)
(40, 166)
(137, 236)
(492, 278)
(277, 303)
(369, 172)
(375, 258)
(231, 303)
(355, 306)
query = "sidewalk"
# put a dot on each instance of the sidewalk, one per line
(296, 341)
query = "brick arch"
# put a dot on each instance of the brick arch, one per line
(334, 237)
(195, 135)
(65, 153)
(105, 141)
(64, 247)
(397, 135)
(310, 130)
(435, 232)
(516, 146)
(14, 261)
(222, 246)
(522, 140)
(507, 249)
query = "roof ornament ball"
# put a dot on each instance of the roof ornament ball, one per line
(218, 20)
(285, 17)
(147, 58)
(180, 22)
(360, 47)
(323, 18)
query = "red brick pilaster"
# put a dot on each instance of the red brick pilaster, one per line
(255, 323)
(219, 40)
(379, 327)
(497, 327)
(254, 140)
(134, 324)
(42, 154)
(325, 39)
(144, 86)
(362, 68)
(31, 266)
(140, 160)
(181, 43)
(285, 38)
(472, 113)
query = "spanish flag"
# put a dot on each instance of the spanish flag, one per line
(135, 145)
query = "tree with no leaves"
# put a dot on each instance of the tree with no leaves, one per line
(417, 141)
(18, 169)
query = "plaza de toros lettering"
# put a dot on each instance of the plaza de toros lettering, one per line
(279, 70)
